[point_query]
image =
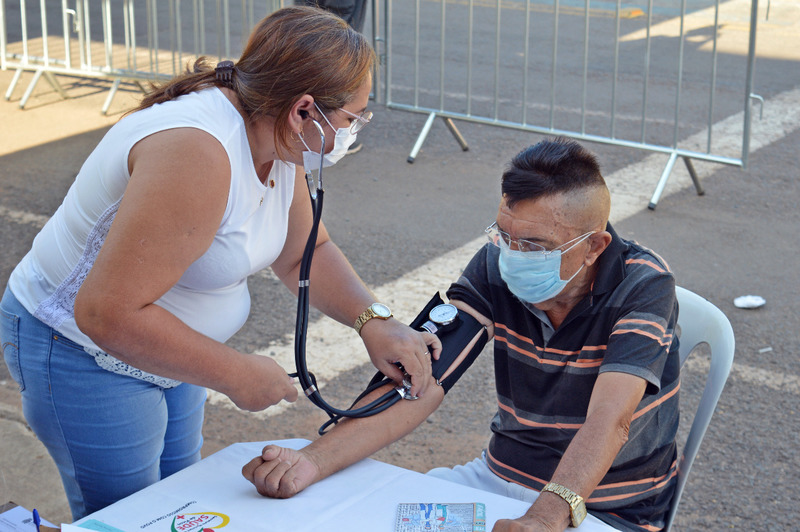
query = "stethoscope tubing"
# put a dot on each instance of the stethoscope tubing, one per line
(306, 378)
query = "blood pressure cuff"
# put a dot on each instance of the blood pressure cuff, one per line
(454, 342)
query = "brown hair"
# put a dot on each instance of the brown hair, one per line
(294, 51)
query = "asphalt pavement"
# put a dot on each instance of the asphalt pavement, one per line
(392, 218)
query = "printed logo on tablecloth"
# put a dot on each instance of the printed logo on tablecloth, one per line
(199, 522)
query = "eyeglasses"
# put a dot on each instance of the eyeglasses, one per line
(495, 234)
(360, 120)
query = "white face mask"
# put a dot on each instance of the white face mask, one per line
(343, 140)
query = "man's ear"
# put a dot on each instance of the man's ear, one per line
(598, 242)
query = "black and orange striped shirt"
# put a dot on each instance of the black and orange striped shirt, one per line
(545, 377)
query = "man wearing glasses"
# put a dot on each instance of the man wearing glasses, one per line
(586, 364)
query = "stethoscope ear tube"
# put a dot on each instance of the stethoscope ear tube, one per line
(307, 379)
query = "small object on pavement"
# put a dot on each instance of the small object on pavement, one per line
(749, 301)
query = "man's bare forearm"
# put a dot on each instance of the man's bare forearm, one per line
(354, 439)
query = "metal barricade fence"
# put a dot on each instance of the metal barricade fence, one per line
(127, 41)
(598, 71)
(592, 70)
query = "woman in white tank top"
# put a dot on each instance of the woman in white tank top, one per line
(114, 323)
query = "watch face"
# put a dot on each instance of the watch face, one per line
(578, 514)
(443, 314)
(381, 310)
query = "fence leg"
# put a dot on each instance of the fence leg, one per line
(693, 174)
(13, 84)
(421, 138)
(456, 133)
(51, 79)
(111, 93)
(29, 90)
(663, 181)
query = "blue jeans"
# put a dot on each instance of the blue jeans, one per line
(110, 435)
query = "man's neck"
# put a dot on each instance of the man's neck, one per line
(558, 308)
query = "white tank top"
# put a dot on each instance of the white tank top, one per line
(212, 296)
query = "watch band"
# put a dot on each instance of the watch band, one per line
(577, 508)
(376, 310)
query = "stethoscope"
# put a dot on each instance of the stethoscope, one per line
(306, 378)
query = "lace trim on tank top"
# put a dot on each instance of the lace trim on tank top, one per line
(60, 306)
(114, 365)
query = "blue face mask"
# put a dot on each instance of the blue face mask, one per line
(534, 276)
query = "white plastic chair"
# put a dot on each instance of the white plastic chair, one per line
(701, 322)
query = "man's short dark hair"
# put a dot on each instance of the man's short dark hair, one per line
(552, 166)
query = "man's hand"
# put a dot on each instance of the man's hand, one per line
(526, 523)
(281, 473)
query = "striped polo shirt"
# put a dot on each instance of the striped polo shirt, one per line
(545, 377)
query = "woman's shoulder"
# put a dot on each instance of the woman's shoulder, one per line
(208, 107)
(207, 111)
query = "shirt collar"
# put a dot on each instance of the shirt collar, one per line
(610, 264)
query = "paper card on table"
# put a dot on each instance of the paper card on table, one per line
(442, 517)
(91, 524)
(17, 518)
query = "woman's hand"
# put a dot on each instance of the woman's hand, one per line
(281, 473)
(260, 383)
(390, 342)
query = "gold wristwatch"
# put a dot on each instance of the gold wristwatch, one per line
(376, 310)
(577, 508)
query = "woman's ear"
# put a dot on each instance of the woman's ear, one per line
(300, 112)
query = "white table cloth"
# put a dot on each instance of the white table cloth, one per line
(213, 494)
